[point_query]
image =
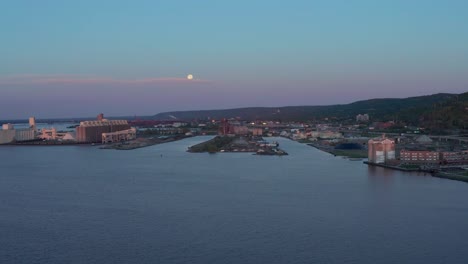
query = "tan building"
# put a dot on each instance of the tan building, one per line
(8, 126)
(91, 131)
(381, 150)
(49, 134)
(9, 134)
(32, 123)
(124, 135)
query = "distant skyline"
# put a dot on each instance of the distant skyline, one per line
(123, 58)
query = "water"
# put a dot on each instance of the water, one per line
(58, 126)
(80, 204)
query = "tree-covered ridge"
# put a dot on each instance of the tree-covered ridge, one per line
(435, 111)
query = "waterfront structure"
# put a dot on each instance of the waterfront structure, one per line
(32, 123)
(69, 136)
(124, 135)
(91, 131)
(450, 157)
(49, 134)
(381, 150)
(419, 157)
(433, 157)
(26, 134)
(7, 134)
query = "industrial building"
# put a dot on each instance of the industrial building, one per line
(91, 131)
(49, 134)
(26, 134)
(119, 136)
(381, 150)
(7, 134)
(32, 123)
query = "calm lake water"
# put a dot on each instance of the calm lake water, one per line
(80, 204)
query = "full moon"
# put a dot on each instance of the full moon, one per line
(189, 77)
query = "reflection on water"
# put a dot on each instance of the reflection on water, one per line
(380, 176)
(163, 205)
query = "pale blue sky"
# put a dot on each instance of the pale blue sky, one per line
(68, 54)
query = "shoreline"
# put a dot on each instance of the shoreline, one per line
(29, 144)
(237, 144)
(436, 174)
(349, 154)
(140, 143)
(127, 145)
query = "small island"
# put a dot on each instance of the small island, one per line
(256, 145)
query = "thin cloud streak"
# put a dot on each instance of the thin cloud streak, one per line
(36, 79)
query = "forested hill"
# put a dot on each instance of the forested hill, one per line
(411, 110)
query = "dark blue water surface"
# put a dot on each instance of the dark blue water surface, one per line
(80, 204)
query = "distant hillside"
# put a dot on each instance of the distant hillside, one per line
(411, 110)
(449, 114)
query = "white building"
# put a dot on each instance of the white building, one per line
(70, 136)
(25, 134)
(362, 118)
(7, 134)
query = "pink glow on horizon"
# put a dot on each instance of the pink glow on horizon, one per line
(78, 79)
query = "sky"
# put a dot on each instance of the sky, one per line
(123, 58)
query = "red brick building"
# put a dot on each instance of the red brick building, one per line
(419, 156)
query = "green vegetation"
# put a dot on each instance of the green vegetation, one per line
(351, 153)
(213, 145)
(456, 177)
(450, 114)
(438, 111)
(410, 166)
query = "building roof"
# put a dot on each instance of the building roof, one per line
(381, 139)
(103, 123)
(423, 139)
